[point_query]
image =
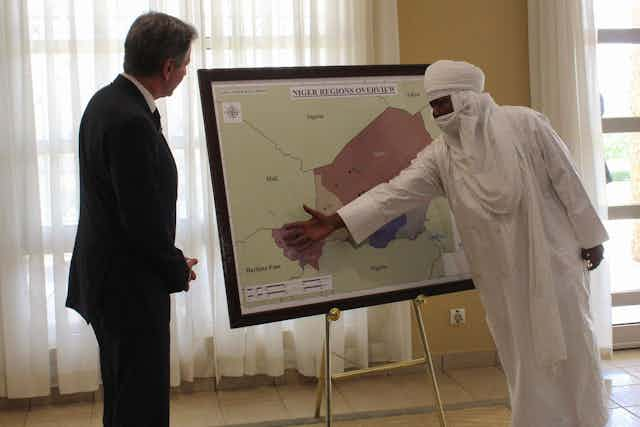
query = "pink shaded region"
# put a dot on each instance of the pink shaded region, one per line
(309, 256)
(377, 154)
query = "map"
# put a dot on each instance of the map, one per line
(323, 143)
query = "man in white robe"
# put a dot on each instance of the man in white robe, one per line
(529, 232)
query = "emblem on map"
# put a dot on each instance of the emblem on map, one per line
(232, 112)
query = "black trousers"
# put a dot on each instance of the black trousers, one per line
(134, 363)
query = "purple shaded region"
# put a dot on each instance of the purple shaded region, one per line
(381, 238)
(310, 256)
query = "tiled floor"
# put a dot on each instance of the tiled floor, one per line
(624, 399)
(475, 396)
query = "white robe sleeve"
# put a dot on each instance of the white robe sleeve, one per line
(414, 186)
(566, 182)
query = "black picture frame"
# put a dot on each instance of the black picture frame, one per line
(205, 79)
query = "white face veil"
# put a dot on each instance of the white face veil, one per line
(484, 157)
(495, 178)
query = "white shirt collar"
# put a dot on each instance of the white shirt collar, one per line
(143, 90)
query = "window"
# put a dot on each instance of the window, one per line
(76, 47)
(618, 26)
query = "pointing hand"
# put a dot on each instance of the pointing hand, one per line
(302, 234)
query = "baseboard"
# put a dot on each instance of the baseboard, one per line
(446, 361)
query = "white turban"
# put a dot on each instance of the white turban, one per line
(444, 77)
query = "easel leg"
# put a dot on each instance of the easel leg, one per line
(324, 381)
(417, 304)
(334, 315)
(320, 387)
(327, 367)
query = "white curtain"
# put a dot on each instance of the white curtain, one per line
(54, 55)
(24, 359)
(562, 61)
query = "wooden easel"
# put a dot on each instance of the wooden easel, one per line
(326, 378)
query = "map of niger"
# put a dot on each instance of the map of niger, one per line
(378, 153)
(322, 142)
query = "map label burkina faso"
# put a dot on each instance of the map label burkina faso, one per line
(377, 154)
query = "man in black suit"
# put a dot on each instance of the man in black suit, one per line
(125, 263)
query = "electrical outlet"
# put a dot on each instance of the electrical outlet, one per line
(457, 317)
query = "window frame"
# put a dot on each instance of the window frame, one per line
(624, 335)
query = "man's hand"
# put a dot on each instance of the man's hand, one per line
(192, 274)
(593, 257)
(302, 234)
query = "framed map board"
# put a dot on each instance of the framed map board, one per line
(281, 137)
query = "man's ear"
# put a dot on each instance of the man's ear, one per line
(167, 68)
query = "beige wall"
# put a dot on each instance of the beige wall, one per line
(443, 338)
(493, 35)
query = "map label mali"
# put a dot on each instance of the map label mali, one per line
(285, 143)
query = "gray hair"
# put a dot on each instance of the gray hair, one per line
(152, 39)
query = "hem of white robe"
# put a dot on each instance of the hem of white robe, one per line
(602, 422)
(598, 421)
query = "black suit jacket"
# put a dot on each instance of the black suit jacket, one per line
(124, 250)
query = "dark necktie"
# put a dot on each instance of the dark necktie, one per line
(156, 119)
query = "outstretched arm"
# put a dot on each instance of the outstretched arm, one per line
(414, 186)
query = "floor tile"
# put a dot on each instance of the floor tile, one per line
(371, 393)
(611, 404)
(619, 376)
(418, 390)
(635, 410)
(399, 421)
(97, 411)
(626, 358)
(464, 360)
(60, 423)
(253, 412)
(633, 370)
(480, 417)
(204, 401)
(473, 417)
(196, 409)
(71, 415)
(620, 417)
(626, 395)
(300, 400)
(482, 383)
(13, 417)
(253, 394)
